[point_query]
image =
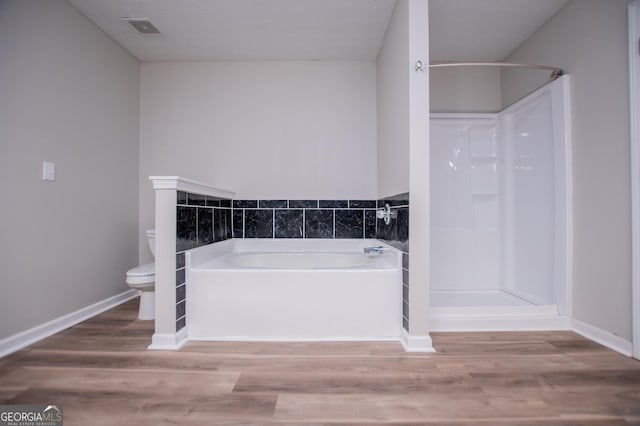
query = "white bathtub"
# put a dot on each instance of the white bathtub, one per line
(285, 290)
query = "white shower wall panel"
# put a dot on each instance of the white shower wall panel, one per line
(535, 194)
(530, 233)
(465, 202)
(500, 200)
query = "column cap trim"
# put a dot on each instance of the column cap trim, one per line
(179, 183)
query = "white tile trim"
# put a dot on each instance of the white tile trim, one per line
(20, 340)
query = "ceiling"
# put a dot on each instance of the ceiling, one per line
(199, 30)
(484, 30)
(246, 29)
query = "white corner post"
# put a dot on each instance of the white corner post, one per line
(634, 119)
(165, 335)
(417, 338)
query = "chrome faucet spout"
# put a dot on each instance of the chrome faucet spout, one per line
(377, 250)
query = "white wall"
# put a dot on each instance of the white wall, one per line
(266, 130)
(392, 67)
(69, 95)
(588, 39)
(465, 89)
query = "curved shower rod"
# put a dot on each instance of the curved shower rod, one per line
(555, 72)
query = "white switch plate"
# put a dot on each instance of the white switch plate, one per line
(48, 171)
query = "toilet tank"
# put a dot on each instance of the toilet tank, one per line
(151, 239)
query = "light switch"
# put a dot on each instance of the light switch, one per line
(48, 171)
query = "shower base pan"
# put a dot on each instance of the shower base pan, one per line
(490, 310)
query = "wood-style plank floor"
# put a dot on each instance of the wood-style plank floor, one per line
(102, 374)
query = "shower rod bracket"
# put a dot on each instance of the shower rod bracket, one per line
(420, 66)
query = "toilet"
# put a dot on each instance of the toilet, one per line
(143, 279)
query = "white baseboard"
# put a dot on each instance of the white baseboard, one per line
(413, 343)
(555, 322)
(169, 341)
(25, 338)
(292, 339)
(603, 337)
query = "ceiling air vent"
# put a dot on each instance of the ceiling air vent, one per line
(143, 25)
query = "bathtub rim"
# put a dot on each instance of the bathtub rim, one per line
(212, 256)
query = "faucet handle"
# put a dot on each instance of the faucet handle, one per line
(385, 213)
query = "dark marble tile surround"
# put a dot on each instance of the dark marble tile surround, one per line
(396, 234)
(304, 218)
(200, 220)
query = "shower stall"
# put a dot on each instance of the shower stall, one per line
(500, 216)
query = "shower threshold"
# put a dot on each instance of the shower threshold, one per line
(490, 310)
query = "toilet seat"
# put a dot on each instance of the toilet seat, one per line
(143, 274)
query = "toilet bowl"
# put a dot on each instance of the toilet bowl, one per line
(143, 279)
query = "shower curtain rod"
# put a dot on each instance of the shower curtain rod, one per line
(555, 72)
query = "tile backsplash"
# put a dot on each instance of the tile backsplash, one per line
(304, 218)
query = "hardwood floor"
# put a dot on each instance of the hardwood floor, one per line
(102, 374)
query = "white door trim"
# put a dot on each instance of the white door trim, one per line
(634, 118)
